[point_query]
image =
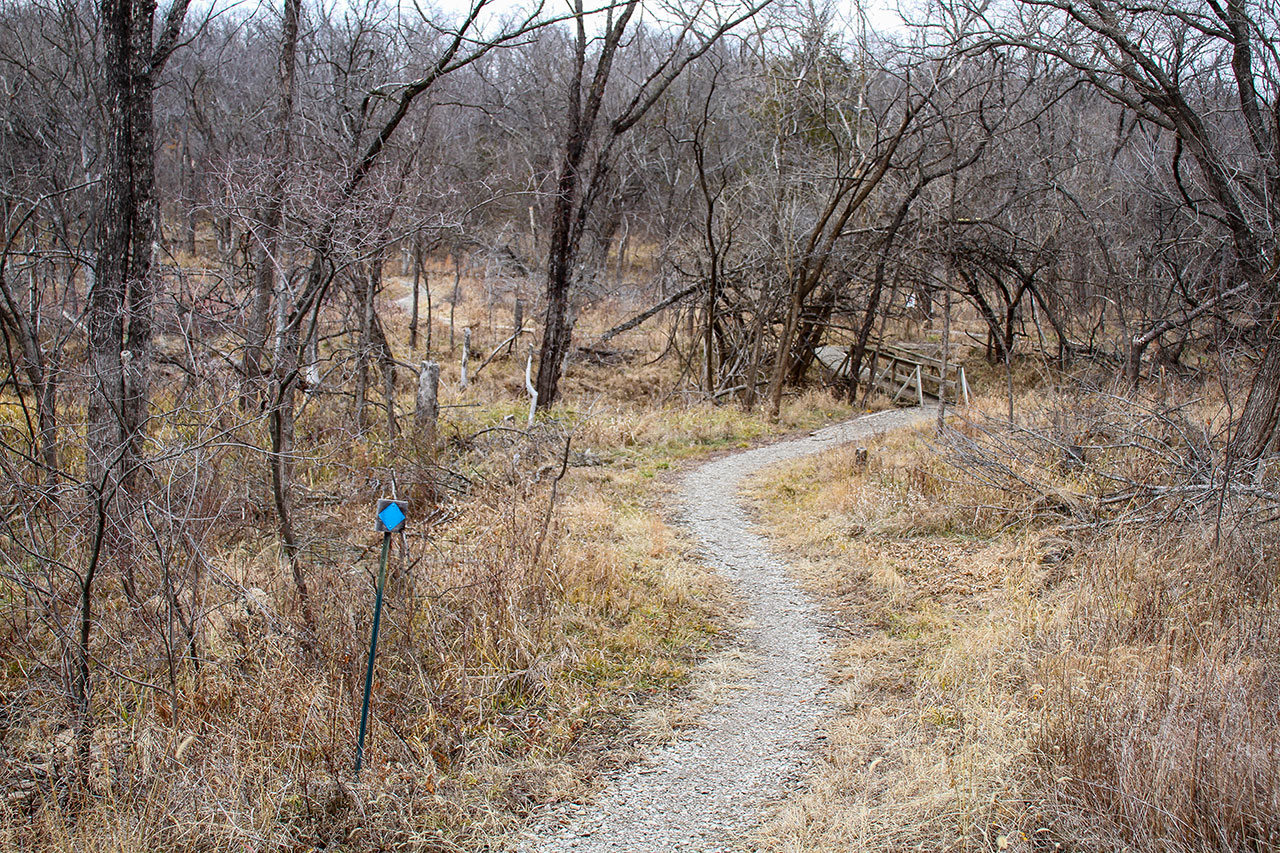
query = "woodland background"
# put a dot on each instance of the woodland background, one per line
(241, 243)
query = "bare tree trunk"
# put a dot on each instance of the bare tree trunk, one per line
(1256, 434)
(577, 184)
(372, 284)
(753, 365)
(584, 110)
(270, 217)
(709, 342)
(869, 314)
(280, 422)
(295, 336)
(555, 334)
(628, 325)
(122, 303)
(19, 321)
(1058, 330)
(81, 675)
(782, 363)
(709, 237)
(807, 338)
(417, 279)
(996, 351)
(119, 232)
(1133, 361)
(1138, 343)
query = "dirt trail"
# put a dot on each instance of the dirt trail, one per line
(706, 791)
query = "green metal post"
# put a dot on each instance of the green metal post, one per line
(373, 649)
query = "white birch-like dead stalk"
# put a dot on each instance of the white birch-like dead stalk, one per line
(466, 356)
(528, 383)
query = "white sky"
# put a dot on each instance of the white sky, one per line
(883, 16)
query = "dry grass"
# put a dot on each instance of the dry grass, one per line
(1161, 673)
(498, 678)
(1030, 664)
(926, 752)
(508, 674)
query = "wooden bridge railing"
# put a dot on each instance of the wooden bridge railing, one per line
(906, 376)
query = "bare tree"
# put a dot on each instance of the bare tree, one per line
(122, 303)
(267, 260)
(589, 141)
(1207, 76)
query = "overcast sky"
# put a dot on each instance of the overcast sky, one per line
(883, 16)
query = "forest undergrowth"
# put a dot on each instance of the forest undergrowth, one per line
(523, 642)
(1059, 633)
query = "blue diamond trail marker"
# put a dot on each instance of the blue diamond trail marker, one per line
(391, 516)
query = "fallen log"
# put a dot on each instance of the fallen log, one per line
(647, 313)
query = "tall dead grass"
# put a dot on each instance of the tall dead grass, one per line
(1161, 673)
(1062, 632)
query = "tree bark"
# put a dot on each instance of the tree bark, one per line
(1131, 69)
(417, 281)
(859, 351)
(808, 336)
(571, 203)
(850, 194)
(121, 306)
(630, 324)
(366, 293)
(1139, 343)
(19, 322)
(1256, 435)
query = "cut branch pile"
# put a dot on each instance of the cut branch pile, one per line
(1103, 460)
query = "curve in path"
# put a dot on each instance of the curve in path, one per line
(706, 791)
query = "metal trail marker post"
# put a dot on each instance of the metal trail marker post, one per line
(391, 517)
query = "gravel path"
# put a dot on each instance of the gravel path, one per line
(705, 792)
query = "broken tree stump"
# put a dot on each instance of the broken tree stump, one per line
(427, 413)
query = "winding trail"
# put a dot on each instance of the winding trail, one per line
(706, 791)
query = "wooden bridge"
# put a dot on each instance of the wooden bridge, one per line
(907, 376)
